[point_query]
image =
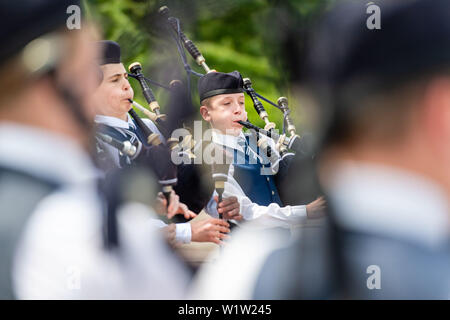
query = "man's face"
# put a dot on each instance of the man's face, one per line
(224, 111)
(112, 96)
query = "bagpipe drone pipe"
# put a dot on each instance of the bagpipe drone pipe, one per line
(289, 146)
(183, 175)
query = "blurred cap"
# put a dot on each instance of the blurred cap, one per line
(414, 38)
(22, 21)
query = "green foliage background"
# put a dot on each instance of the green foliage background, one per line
(243, 35)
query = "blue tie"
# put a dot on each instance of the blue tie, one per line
(249, 154)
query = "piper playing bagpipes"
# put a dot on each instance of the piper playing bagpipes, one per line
(112, 104)
(274, 147)
(223, 106)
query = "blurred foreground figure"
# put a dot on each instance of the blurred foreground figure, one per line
(58, 238)
(385, 161)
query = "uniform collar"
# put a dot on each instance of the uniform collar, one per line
(228, 140)
(384, 200)
(115, 122)
(44, 154)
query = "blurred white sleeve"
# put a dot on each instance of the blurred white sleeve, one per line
(183, 232)
(62, 256)
(264, 216)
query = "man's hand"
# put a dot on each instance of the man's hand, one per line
(175, 206)
(209, 230)
(182, 209)
(161, 203)
(229, 208)
(170, 234)
(316, 209)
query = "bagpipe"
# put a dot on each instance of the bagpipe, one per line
(156, 153)
(287, 143)
(151, 150)
(220, 168)
(125, 147)
(288, 140)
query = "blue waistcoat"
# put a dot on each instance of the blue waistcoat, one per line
(259, 188)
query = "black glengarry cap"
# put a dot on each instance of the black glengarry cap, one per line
(215, 83)
(110, 52)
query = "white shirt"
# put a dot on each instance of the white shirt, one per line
(183, 231)
(119, 123)
(262, 216)
(61, 255)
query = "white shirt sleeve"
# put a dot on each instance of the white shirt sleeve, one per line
(264, 216)
(157, 223)
(183, 232)
(272, 215)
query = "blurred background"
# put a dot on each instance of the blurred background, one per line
(263, 39)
